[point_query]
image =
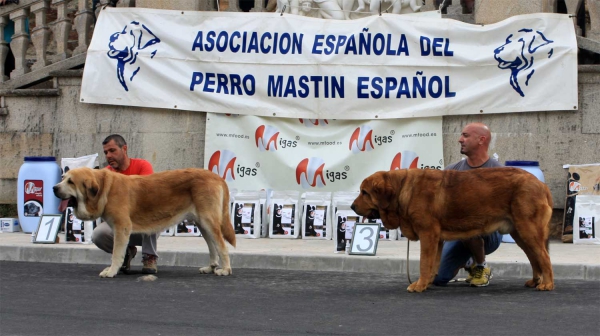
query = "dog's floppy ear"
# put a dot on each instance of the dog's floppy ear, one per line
(383, 192)
(92, 185)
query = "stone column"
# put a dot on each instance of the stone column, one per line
(20, 42)
(40, 34)
(573, 9)
(83, 24)
(3, 49)
(62, 29)
(258, 6)
(593, 7)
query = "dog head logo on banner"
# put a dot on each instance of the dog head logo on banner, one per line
(361, 139)
(266, 138)
(309, 173)
(517, 55)
(126, 45)
(222, 163)
(313, 122)
(405, 159)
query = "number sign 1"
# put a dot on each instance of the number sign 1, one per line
(47, 229)
(365, 238)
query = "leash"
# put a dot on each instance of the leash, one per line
(407, 268)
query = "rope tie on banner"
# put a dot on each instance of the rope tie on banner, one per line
(283, 10)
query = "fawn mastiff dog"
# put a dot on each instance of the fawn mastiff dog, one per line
(149, 204)
(434, 205)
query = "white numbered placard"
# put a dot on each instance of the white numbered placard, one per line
(47, 229)
(365, 238)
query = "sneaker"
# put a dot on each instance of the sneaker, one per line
(130, 253)
(481, 276)
(471, 271)
(149, 261)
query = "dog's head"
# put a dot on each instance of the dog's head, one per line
(517, 55)
(126, 45)
(377, 193)
(80, 188)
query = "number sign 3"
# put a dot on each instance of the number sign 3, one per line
(365, 238)
(47, 229)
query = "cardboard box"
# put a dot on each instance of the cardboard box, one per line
(10, 225)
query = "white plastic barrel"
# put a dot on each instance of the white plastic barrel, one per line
(534, 168)
(35, 196)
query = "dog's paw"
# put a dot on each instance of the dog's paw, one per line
(108, 273)
(223, 271)
(545, 287)
(207, 270)
(415, 287)
(531, 283)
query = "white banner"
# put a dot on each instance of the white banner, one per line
(253, 153)
(389, 66)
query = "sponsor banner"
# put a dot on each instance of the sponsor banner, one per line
(388, 66)
(253, 153)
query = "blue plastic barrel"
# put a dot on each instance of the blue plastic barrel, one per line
(534, 168)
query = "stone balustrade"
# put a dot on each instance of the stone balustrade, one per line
(48, 27)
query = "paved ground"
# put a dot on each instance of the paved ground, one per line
(577, 262)
(70, 299)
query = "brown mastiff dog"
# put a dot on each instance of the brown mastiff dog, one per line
(434, 205)
(150, 204)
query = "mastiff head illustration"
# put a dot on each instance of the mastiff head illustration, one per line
(518, 53)
(126, 45)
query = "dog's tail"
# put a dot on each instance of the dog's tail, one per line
(548, 217)
(226, 226)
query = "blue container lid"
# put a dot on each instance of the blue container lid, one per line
(40, 159)
(522, 163)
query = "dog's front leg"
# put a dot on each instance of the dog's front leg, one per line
(121, 239)
(429, 247)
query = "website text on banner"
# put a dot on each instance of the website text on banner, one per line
(389, 66)
(254, 153)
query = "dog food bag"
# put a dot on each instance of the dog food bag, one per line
(170, 231)
(343, 218)
(75, 230)
(245, 216)
(384, 234)
(283, 214)
(316, 221)
(587, 217)
(264, 197)
(187, 228)
(581, 180)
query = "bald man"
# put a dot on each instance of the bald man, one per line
(474, 143)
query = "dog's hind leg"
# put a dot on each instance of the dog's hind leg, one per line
(214, 236)
(536, 249)
(121, 239)
(214, 257)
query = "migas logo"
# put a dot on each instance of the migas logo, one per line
(410, 160)
(222, 163)
(267, 139)
(313, 122)
(361, 139)
(311, 173)
(405, 159)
